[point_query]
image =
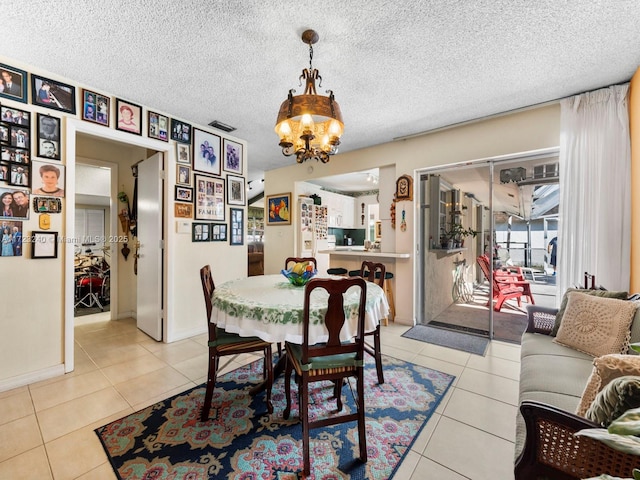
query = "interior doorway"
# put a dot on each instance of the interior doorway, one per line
(484, 228)
(85, 140)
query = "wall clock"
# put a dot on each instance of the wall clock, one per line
(404, 188)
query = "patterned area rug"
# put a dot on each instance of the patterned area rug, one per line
(241, 441)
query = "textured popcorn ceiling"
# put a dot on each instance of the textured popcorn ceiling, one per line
(396, 67)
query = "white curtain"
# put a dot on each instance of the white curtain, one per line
(595, 189)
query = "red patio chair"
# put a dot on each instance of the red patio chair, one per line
(505, 285)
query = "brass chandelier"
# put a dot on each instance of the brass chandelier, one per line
(310, 125)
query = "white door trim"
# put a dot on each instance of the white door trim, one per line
(72, 128)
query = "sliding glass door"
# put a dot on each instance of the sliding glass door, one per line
(484, 232)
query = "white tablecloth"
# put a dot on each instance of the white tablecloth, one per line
(269, 307)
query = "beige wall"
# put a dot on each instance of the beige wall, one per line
(36, 338)
(527, 130)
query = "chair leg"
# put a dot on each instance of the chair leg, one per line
(211, 382)
(287, 388)
(378, 354)
(362, 434)
(268, 368)
(303, 396)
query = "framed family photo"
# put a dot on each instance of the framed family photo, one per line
(183, 210)
(184, 194)
(20, 175)
(128, 117)
(235, 190)
(232, 157)
(12, 239)
(13, 83)
(44, 244)
(200, 232)
(158, 126)
(52, 94)
(48, 179)
(218, 232)
(14, 203)
(183, 153)
(237, 226)
(209, 192)
(48, 133)
(279, 209)
(206, 152)
(14, 116)
(180, 131)
(96, 108)
(183, 175)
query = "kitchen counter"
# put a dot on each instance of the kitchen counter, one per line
(356, 251)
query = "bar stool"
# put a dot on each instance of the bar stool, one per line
(388, 290)
(337, 271)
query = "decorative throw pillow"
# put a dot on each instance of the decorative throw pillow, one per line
(618, 396)
(605, 369)
(597, 293)
(596, 326)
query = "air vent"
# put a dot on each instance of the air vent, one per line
(222, 126)
(546, 171)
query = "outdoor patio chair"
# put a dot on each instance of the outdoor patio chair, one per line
(505, 286)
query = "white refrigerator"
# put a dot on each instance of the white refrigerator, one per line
(312, 232)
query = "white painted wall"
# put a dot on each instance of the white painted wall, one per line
(36, 339)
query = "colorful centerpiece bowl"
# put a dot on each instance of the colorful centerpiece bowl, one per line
(299, 279)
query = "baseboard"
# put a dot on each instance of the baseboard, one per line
(123, 315)
(32, 377)
(183, 335)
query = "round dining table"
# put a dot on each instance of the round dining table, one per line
(269, 307)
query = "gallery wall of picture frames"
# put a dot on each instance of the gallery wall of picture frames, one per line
(209, 167)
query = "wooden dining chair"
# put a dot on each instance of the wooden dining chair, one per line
(333, 360)
(222, 344)
(290, 260)
(375, 273)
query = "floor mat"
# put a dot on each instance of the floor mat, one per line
(447, 338)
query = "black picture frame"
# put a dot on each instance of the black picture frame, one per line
(96, 108)
(184, 194)
(53, 94)
(128, 117)
(19, 175)
(19, 136)
(18, 78)
(219, 232)
(48, 135)
(14, 155)
(15, 116)
(183, 175)
(200, 232)
(180, 131)
(44, 244)
(236, 226)
(158, 126)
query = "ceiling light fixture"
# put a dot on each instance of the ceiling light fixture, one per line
(310, 125)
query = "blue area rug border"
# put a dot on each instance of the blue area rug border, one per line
(439, 388)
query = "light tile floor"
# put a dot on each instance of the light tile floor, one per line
(46, 429)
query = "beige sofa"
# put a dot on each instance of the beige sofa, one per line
(552, 379)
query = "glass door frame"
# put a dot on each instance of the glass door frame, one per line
(422, 232)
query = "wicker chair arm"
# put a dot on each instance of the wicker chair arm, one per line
(552, 450)
(540, 319)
